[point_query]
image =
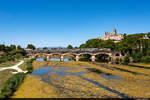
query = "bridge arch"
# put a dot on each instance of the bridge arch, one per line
(85, 53)
(40, 55)
(86, 56)
(69, 54)
(102, 57)
(103, 53)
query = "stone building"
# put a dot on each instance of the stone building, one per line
(112, 36)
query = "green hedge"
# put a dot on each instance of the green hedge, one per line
(11, 85)
(29, 65)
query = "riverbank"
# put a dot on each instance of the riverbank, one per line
(97, 81)
(8, 63)
(4, 76)
(8, 71)
(15, 67)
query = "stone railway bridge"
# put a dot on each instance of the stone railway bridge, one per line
(77, 52)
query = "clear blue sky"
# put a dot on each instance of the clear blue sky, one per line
(63, 22)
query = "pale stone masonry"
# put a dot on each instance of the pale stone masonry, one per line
(112, 36)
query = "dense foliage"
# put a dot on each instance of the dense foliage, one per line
(45, 48)
(136, 45)
(127, 59)
(69, 47)
(31, 46)
(97, 43)
(11, 53)
(29, 66)
(11, 85)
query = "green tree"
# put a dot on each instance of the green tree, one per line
(145, 59)
(19, 47)
(69, 47)
(2, 47)
(137, 57)
(127, 59)
(82, 46)
(12, 47)
(30, 46)
(45, 48)
(76, 47)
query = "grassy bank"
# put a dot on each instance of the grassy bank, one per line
(9, 82)
(8, 63)
(11, 85)
(27, 65)
(4, 76)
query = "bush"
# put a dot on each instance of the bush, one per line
(11, 85)
(145, 59)
(137, 57)
(117, 61)
(120, 60)
(126, 59)
(29, 65)
(112, 60)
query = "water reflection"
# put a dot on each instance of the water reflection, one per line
(40, 59)
(53, 59)
(59, 71)
(42, 70)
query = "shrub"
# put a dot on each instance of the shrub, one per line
(126, 59)
(117, 61)
(120, 60)
(11, 85)
(137, 57)
(146, 59)
(29, 65)
(112, 60)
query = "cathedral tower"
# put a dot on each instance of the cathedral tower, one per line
(114, 32)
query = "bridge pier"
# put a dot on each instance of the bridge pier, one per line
(93, 58)
(47, 58)
(62, 58)
(32, 56)
(77, 57)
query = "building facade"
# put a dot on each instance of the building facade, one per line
(112, 36)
